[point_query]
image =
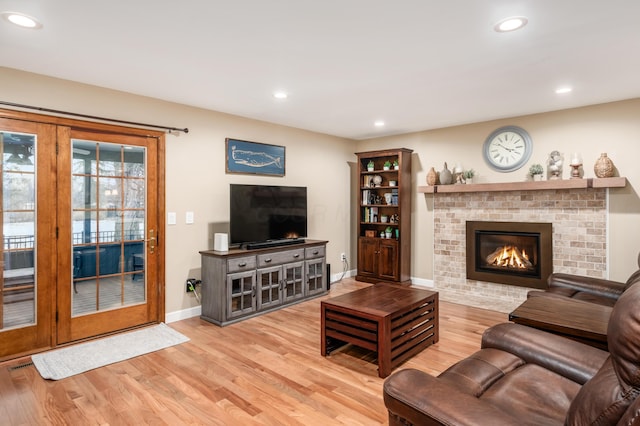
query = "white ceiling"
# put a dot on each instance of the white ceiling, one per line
(416, 64)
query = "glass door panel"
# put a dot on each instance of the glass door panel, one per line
(18, 295)
(108, 226)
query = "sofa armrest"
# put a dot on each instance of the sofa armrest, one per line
(422, 399)
(574, 360)
(600, 286)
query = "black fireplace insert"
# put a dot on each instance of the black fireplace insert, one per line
(514, 253)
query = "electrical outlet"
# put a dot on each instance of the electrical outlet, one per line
(343, 257)
(191, 284)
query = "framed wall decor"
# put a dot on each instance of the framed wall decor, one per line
(254, 158)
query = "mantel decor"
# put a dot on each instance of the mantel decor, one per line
(614, 182)
(254, 158)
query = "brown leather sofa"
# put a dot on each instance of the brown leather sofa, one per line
(524, 376)
(588, 289)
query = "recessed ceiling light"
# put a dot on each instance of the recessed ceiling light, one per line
(280, 95)
(379, 123)
(22, 20)
(563, 90)
(511, 24)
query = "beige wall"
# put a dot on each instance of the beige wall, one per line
(196, 180)
(613, 128)
(195, 173)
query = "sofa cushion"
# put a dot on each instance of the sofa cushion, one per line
(478, 372)
(524, 393)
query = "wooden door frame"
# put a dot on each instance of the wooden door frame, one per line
(161, 194)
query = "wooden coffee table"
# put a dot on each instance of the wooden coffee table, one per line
(581, 321)
(395, 321)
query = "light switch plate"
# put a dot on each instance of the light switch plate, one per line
(172, 219)
(189, 217)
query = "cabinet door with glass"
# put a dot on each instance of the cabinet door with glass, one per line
(242, 293)
(315, 276)
(269, 287)
(293, 281)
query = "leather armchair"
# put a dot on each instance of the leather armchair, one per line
(588, 289)
(524, 376)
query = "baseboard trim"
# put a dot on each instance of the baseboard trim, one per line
(183, 314)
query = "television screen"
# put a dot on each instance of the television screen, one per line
(263, 213)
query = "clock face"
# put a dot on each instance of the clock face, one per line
(507, 149)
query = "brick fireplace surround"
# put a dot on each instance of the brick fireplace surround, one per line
(579, 221)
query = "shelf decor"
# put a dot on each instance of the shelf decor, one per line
(254, 158)
(604, 166)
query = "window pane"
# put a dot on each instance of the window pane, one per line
(84, 157)
(83, 195)
(110, 159)
(134, 161)
(18, 295)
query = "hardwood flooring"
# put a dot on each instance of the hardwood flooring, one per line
(263, 371)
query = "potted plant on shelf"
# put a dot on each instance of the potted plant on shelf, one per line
(396, 165)
(386, 165)
(536, 171)
(468, 175)
(388, 232)
(370, 165)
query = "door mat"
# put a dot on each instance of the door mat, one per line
(61, 363)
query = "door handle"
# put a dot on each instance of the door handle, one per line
(152, 241)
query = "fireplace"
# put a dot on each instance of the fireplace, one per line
(513, 253)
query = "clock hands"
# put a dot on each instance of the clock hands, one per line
(502, 146)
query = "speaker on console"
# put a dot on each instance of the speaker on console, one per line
(328, 277)
(220, 242)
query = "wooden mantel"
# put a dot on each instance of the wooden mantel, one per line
(613, 182)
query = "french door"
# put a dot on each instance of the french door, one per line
(82, 255)
(29, 237)
(109, 233)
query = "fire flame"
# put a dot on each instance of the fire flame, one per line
(509, 257)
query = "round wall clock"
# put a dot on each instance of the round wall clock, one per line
(507, 148)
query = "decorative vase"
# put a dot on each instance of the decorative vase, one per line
(537, 178)
(432, 177)
(604, 166)
(446, 178)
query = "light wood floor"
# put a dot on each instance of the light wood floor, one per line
(262, 371)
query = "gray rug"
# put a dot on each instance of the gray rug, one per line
(76, 359)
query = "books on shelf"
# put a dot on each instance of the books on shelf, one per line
(370, 214)
(366, 194)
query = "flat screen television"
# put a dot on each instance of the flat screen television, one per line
(262, 213)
